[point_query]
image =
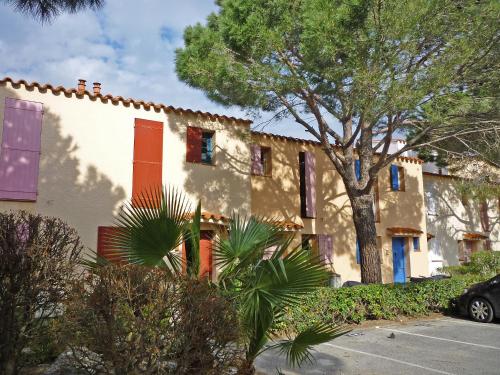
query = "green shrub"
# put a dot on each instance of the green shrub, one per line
(38, 262)
(483, 263)
(139, 320)
(376, 301)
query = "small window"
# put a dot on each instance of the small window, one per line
(416, 244)
(310, 243)
(207, 147)
(397, 178)
(266, 160)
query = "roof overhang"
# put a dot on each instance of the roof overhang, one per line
(470, 236)
(404, 232)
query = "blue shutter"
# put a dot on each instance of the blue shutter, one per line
(358, 253)
(416, 243)
(394, 177)
(357, 169)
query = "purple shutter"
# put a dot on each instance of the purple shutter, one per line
(257, 166)
(20, 150)
(325, 247)
(310, 177)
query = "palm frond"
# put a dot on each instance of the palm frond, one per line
(192, 240)
(244, 243)
(280, 282)
(298, 350)
(150, 228)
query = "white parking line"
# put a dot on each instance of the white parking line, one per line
(480, 325)
(390, 359)
(440, 338)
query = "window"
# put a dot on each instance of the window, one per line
(261, 160)
(200, 145)
(20, 150)
(416, 244)
(148, 155)
(265, 156)
(207, 145)
(310, 243)
(307, 171)
(397, 178)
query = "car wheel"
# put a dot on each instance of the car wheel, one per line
(481, 310)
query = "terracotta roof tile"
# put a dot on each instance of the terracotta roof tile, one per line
(118, 99)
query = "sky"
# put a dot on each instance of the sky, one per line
(128, 46)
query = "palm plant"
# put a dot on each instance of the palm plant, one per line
(266, 285)
(152, 227)
(262, 284)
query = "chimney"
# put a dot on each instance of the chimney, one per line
(97, 88)
(81, 86)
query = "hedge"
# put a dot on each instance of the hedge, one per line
(375, 301)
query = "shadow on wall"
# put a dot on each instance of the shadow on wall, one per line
(280, 196)
(450, 218)
(225, 186)
(84, 199)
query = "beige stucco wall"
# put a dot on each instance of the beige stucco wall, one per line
(279, 196)
(87, 153)
(448, 219)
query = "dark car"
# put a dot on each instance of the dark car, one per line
(481, 301)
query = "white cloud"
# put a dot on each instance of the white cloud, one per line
(128, 46)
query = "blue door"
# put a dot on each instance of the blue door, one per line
(398, 259)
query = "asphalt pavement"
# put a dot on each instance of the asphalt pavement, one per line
(440, 346)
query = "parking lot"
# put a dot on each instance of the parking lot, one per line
(440, 346)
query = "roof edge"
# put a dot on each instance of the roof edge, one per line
(120, 99)
(408, 159)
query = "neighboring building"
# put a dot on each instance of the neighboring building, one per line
(293, 180)
(457, 225)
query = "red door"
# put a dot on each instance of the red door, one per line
(206, 237)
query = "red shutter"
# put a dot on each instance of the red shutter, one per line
(310, 179)
(105, 240)
(20, 150)
(193, 144)
(148, 156)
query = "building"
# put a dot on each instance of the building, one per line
(457, 225)
(80, 155)
(324, 211)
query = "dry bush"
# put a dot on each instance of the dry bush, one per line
(140, 321)
(38, 258)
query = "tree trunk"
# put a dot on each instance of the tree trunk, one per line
(364, 221)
